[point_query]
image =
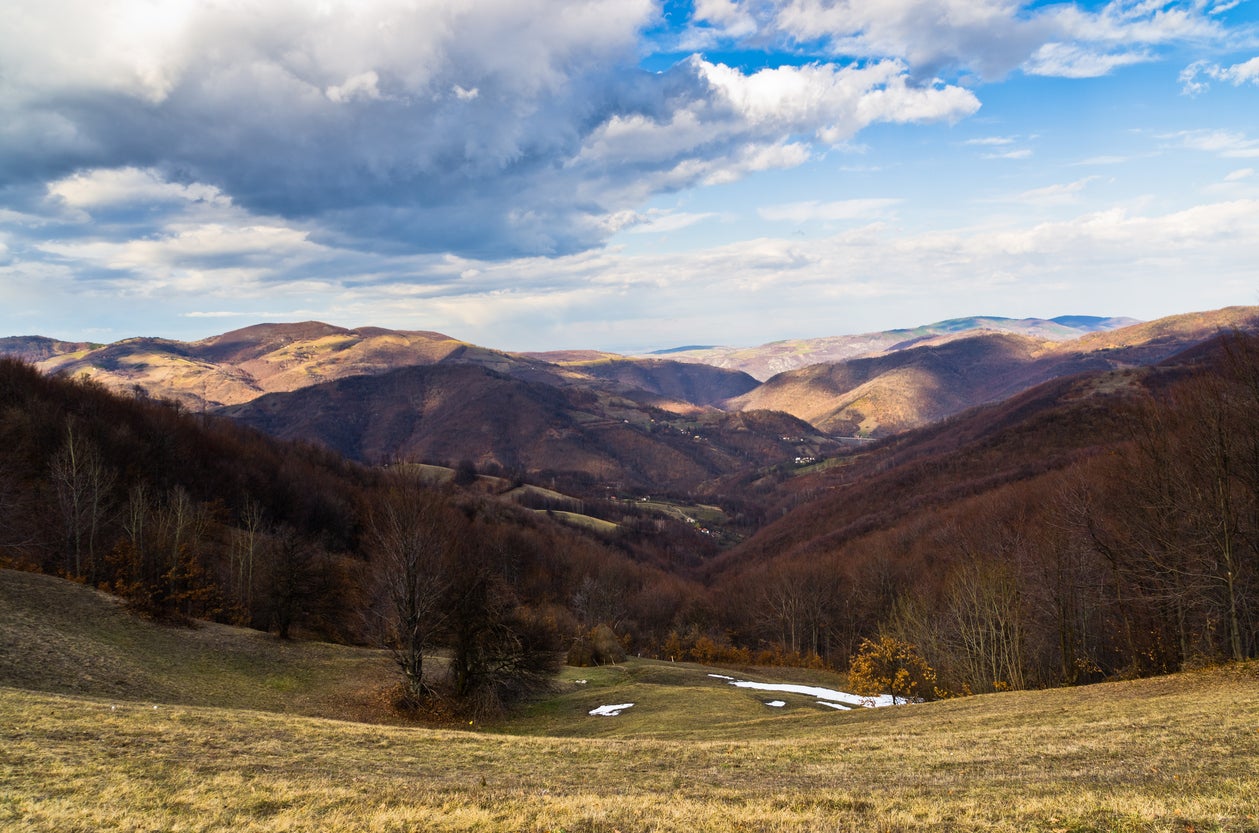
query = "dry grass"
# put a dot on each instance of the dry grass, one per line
(1167, 755)
(59, 637)
(1171, 755)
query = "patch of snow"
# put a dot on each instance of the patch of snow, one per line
(839, 706)
(610, 711)
(721, 676)
(831, 697)
(579, 682)
(776, 704)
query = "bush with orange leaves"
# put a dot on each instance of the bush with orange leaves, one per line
(891, 666)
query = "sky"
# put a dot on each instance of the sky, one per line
(621, 175)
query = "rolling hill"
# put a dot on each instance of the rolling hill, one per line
(239, 366)
(780, 356)
(936, 377)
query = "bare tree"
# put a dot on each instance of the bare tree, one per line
(500, 651)
(984, 625)
(83, 484)
(412, 536)
(245, 546)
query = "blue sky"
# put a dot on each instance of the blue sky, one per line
(618, 174)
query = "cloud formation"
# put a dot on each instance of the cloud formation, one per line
(487, 127)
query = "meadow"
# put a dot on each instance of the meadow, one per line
(211, 741)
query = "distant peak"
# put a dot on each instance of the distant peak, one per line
(685, 349)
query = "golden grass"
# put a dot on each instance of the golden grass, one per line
(241, 740)
(1166, 755)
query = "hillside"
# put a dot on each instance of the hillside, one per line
(189, 517)
(1077, 502)
(61, 637)
(1057, 523)
(241, 365)
(219, 729)
(582, 436)
(911, 386)
(887, 394)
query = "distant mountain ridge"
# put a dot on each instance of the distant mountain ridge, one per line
(238, 366)
(925, 380)
(776, 357)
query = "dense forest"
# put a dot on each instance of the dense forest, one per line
(1099, 526)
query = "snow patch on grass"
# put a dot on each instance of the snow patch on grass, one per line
(610, 711)
(824, 696)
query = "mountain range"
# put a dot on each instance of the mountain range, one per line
(589, 418)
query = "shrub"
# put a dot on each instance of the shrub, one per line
(891, 666)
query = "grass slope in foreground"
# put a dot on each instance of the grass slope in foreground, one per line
(693, 754)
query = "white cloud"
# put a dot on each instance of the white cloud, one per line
(1104, 160)
(862, 278)
(993, 37)
(1225, 143)
(363, 86)
(346, 149)
(1240, 174)
(803, 212)
(1247, 72)
(1237, 74)
(726, 16)
(492, 128)
(124, 186)
(836, 102)
(989, 36)
(661, 222)
(1068, 60)
(1020, 153)
(1068, 193)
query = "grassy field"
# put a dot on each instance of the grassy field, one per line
(234, 752)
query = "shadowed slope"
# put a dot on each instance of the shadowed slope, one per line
(451, 412)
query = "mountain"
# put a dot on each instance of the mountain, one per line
(697, 384)
(580, 435)
(597, 418)
(241, 365)
(776, 357)
(190, 516)
(938, 376)
(39, 348)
